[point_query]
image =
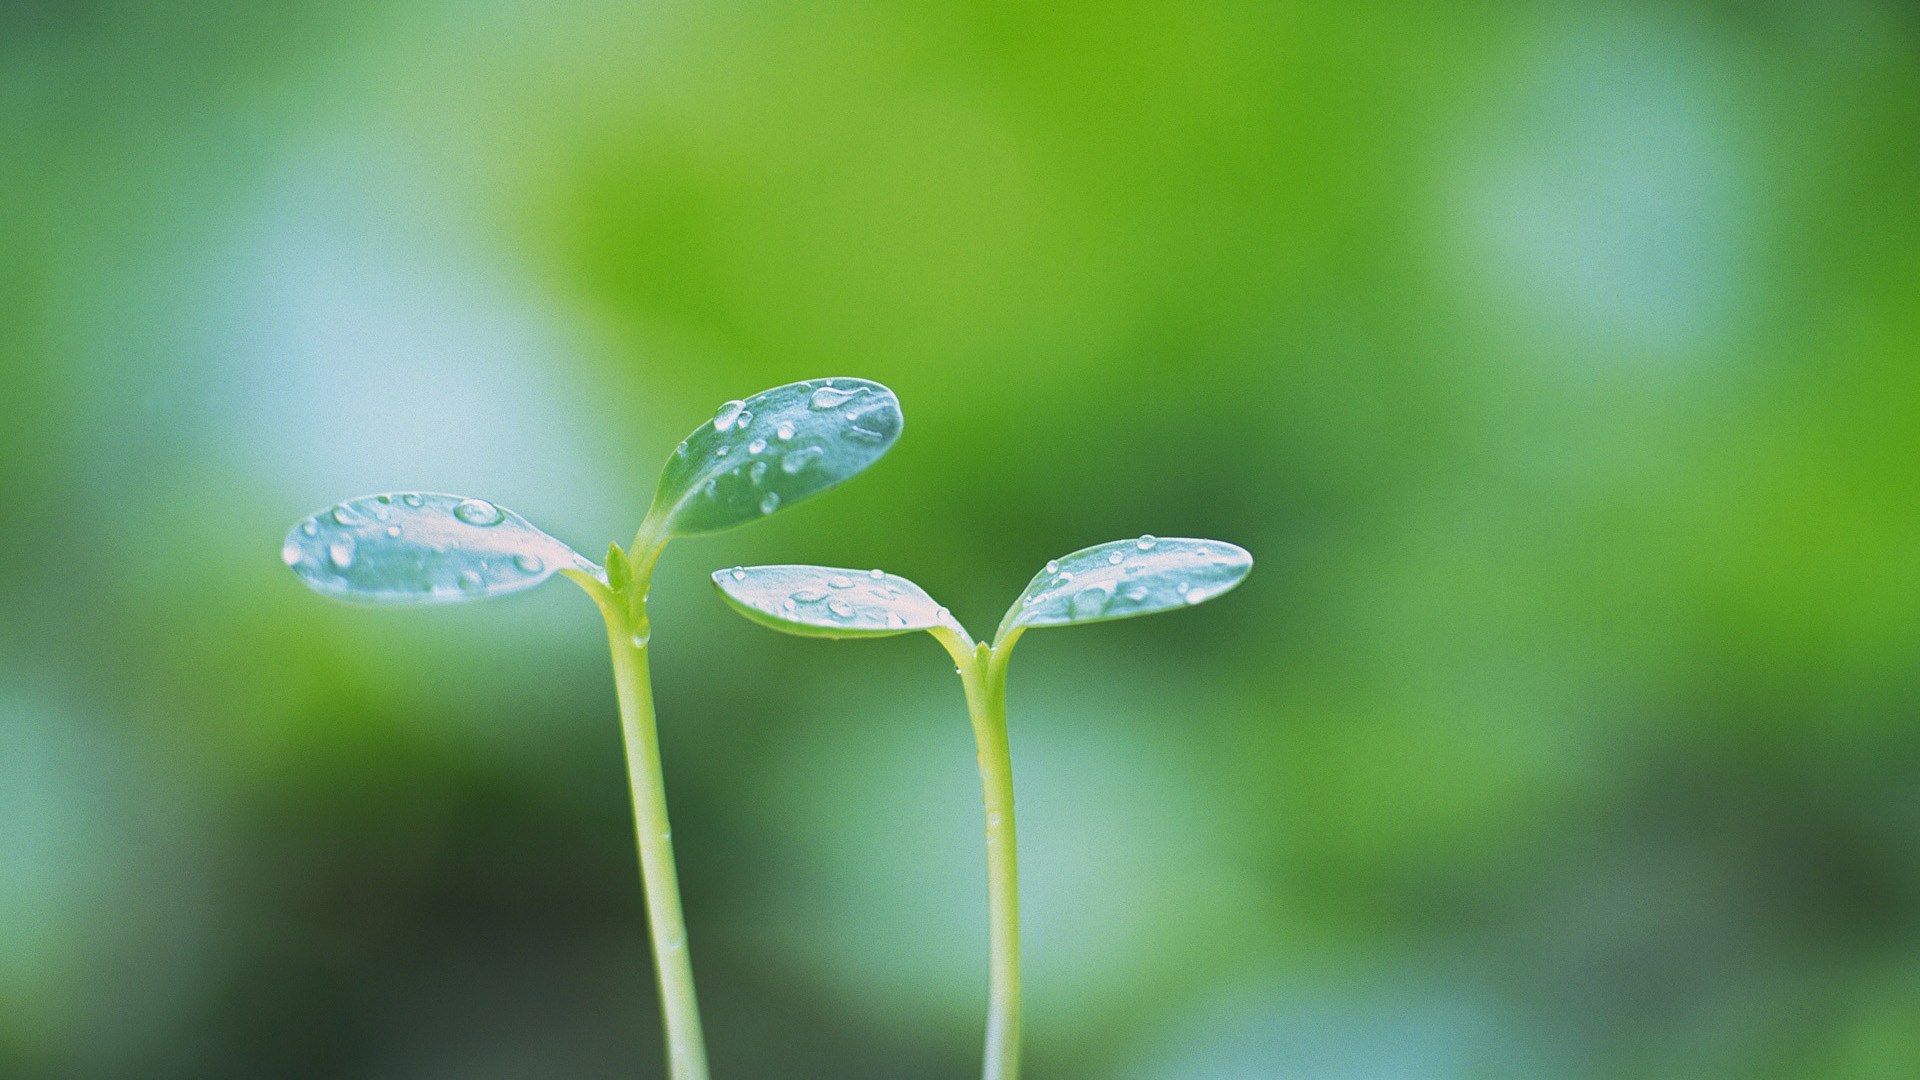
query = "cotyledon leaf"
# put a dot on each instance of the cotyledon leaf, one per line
(772, 450)
(1128, 577)
(419, 547)
(829, 602)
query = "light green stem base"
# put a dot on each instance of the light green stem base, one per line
(985, 676)
(627, 637)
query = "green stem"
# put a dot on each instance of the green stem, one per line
(985, 678)
(627, 637)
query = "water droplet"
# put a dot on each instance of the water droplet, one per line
(529, 564)
(756, 446)
(1145, 543)
(1182, 586)
(739, 573)
(943, 614)
(993, 819)
(758, 472)
(340, 553)
(708, 488)
(1194, 596)
(471, 581)
(1088, 602)
(784, 432)
(381, 513)
(1137, 593)
(728, 415)
(840, 608)
(872, 424)
(1053, 566)
(840, 581)
(1114, 558)
(894, 620)
(800, 459)
(412, 500)
(787, 604)
(771, 503)
(877, 574)
(809, 596)
(291, 554)
(1066, 576)
(681, 450)
(393, 531)
(383, 500)
(722, 451)
(479, 512)
(344, 515)
(309, 527)
(828, 397)
(641, 637)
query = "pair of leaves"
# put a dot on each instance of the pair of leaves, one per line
(754, 457)
(1115, 580)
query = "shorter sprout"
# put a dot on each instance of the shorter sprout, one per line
(1108, 581)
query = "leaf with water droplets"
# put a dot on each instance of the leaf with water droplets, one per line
(418, 547)
(1128, 577)
(772, 450)
(822, 601)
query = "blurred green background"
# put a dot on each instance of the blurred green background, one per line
(1559, 362)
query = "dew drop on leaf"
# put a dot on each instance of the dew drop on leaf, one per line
(739, 573)
(340, 553)
(529, 564)
(1145, 543)
(771, 503)
(478, 512)
(412, 500)
(756, 446)
(840, 581)
(471, 581)
(1114, 558)
(728, 415)
(800, 459)
(758, 472)
(784, 432)
(809, 596)
(1053, 566)
(309, 527)
(840, 608)
(827, 397)
(876, 573)
(1088, 602)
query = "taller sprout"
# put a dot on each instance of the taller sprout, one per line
(756, 456)
(1108, 581)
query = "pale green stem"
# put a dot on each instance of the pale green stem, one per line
(673, 968)
(985, 677)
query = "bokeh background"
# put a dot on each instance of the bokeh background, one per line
(1559, 362)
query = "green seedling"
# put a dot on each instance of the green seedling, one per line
(753, 458)
(1110, 581)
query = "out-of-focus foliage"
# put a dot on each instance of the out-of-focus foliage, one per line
(1559, 362)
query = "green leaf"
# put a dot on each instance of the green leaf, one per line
(417, 547)
(773, 450)
(825, 601)
(619, 570)
(1126, 578)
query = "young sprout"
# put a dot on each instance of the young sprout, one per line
(1108, 581)
(754, 457)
